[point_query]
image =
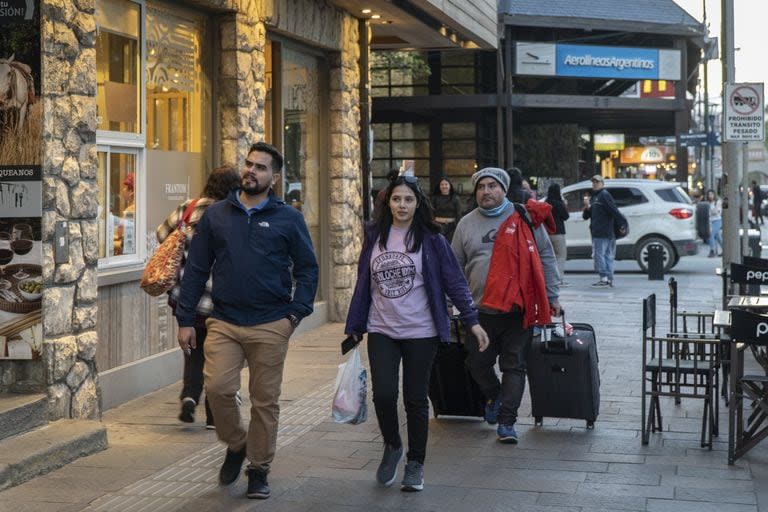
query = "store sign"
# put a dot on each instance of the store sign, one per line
(21, 197)
(609, 141)
(744, 112)
(12, 11)
(642, 155)
(589, 61)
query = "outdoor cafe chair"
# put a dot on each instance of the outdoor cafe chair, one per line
(678, 366)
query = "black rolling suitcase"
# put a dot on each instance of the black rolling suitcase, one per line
(452, 390)
(563, 375)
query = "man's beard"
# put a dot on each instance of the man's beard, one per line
(254, 190)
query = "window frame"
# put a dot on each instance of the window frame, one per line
(124, 260)
(109, 141)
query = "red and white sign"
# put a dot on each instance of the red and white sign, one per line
(744, 112)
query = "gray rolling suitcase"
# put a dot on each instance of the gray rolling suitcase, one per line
(563, 375)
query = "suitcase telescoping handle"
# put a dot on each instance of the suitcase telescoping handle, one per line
(555, 344)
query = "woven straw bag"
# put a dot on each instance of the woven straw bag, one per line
(162, 270)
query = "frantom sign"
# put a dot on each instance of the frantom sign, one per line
(744, 112)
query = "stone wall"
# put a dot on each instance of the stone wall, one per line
(70, 194)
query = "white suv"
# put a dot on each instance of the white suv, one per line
(658, 212)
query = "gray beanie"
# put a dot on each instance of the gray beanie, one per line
(499, 175)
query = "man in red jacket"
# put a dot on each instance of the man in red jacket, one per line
(510, 330)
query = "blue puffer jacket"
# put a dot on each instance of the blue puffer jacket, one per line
(252, 257)
(442, 276)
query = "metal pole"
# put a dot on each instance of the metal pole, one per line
(731, 221)
(709, 173)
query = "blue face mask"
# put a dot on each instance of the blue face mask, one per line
(494, 212)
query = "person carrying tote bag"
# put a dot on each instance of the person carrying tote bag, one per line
(220, 182)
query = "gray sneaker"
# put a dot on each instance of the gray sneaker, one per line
(413, 480)
(387, 472)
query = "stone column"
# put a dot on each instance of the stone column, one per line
(70, 193)
(241, 83)
(346, 212)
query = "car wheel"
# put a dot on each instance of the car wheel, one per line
(670, 256)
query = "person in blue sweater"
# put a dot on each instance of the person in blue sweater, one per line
(254, 247)
(602, 210)
(405, 271)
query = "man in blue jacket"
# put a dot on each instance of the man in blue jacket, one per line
(254, 247)
(602, 210)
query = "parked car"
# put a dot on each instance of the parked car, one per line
(658, 212)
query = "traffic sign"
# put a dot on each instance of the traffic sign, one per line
(744, 112)
(686, 140)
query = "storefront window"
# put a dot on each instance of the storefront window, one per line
(117, 181)
(174, 105)
(118, 66)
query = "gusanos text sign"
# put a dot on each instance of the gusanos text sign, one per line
(589, 61)
(744, 112)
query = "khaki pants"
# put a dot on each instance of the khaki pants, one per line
(561, 253)
(264, 347)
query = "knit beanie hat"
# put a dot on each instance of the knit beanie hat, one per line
(499, 175)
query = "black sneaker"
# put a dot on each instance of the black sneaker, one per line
(258, 488)
(387, 472)
(230, 470)
(187, 414)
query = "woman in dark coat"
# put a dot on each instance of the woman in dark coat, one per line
(447, 207)
(560, 214)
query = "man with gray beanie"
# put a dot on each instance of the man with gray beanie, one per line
(510, 338)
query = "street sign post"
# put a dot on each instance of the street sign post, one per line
(744, 112)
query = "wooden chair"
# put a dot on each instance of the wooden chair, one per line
(679, 366)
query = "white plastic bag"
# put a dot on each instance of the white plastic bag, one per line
(349, 401)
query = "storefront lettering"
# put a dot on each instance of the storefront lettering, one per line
(609, 62)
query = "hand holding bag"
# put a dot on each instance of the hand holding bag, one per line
(349, 401)
(162, 270)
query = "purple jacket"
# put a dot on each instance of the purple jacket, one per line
(442, 276)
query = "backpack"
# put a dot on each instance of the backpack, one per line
(620, 226)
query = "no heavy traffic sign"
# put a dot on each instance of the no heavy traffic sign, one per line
(744, 112)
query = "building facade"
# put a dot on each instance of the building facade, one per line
(141, 99)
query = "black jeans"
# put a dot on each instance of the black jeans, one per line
(384, 355)
(511, 344)
(193, 370)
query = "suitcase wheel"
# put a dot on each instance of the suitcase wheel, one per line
(590, 424)
(538, 420)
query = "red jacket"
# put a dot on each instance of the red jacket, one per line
(515, 275)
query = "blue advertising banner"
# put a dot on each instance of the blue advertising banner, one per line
(617, 62)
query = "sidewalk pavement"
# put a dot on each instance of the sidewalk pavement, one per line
(154, 463)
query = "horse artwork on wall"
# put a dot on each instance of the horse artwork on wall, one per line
(17, 92)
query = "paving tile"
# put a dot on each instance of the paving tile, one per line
(717, 495)
(655, 505)
(589, 502)
(621, 490)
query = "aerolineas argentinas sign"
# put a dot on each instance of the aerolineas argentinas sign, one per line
(589, 61)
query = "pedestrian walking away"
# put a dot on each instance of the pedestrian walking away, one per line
(715, 224)
(560, 215)
(601, 209)
(514, 281)
(221, 181)
(255, 249)
(757, 203)
(406, 268)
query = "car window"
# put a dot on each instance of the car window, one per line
(574, 200)
(627, 196)
(673, 195)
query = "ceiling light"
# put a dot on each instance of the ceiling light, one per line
(375, 16)
(386, 22)
(366, 11)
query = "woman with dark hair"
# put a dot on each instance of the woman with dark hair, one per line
(220, 182)
(715, 223)
(405, 271)
(447, 207)
(560, 215)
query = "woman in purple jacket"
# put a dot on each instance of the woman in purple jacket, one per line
(406, 269)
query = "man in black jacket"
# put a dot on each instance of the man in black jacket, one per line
(602, 211)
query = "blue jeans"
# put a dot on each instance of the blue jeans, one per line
(715, 235)
(604, 252)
